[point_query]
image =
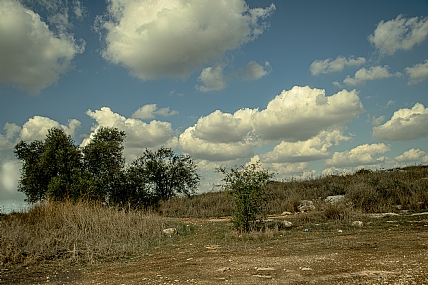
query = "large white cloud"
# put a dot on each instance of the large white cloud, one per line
(359, 156)
(363, 75)
(302, 112)
(173, 38)
(295, 115)
(328, 65)
(418, 72)
(33, 57)
(139, 135)
(405, 124)
(399, 34)
(303, 151)
(412, 155)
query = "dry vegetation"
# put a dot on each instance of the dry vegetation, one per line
(86, 233)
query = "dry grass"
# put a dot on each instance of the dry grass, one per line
(366, 191)
(78, 232)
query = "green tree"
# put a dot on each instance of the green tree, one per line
(248, 187)
(48, 166)
(104, 162)
(161, 175)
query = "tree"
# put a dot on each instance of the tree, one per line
(48, 166)
(103, 160)
(248, 187)
(162, 174)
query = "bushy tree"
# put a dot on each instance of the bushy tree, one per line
(162, 174)
(48, 166)
(103, 162)
(248, 187)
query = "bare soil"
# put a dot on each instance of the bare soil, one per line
(388, 250)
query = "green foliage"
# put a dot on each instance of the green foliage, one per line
(161, 175)
(48, 166)
(248, 187)
(103, 159)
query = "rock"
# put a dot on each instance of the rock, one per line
(306, 206)
(286, 213)
(170, 231)
(335, 199)
(357, 224)
(286, 224)
(265, 269)
(224, 269)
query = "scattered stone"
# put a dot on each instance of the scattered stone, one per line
(357, 224)
(306, 269)
(306, 206)
(286, 213)
(335, 199)
(224, 269)
(265, 269)
(382, 215)
(340, 231)
(170, 231)
(263, 276)
(286, 224)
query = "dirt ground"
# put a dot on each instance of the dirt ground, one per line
(389, 250)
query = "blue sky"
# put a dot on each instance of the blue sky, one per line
(308, 88)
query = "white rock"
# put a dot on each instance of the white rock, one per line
(286, 224)
(286, 213)
(358, 224)
(170, 231)
(306, 206)
(335, 199)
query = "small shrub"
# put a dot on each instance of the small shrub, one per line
(248, 187)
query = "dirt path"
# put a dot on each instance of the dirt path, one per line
(391, 252)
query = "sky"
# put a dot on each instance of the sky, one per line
(308, 88)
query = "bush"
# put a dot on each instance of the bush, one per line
(248, 187)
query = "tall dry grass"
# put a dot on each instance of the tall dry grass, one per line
(75, 232)
(366, 191)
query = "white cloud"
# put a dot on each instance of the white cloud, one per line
(412, 155)
(254, 71)
(376, 121)
(9, 177)
(359, 156)
(212, 78)
(399, 34)
(33, 57)
(202, 149)
(144, 36)
(418, 72)
(295, 115)
(328, 65)
(303, 151)
(302, 112)
(405, 124)
(363, 75)
(150, 111)
(36, 128)
(139, 135)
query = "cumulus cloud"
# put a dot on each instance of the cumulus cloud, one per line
(150, 111)
(405, 124)
(254, 71)
(302, 112)
(213, 79)
(303, 151)
(144, 36)
(399, 34)
(33, 57)
(329, 66)
(363, 75)
(412, 155)
(359, 156)
(418, 72)
(139, 135)
(295, 115)
(36, 128)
